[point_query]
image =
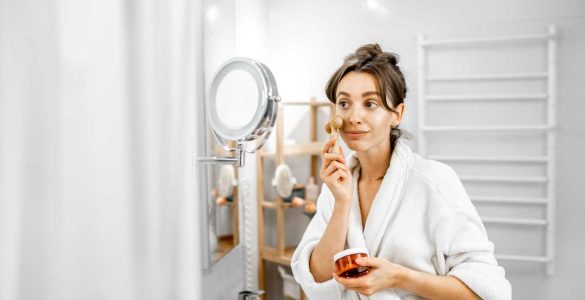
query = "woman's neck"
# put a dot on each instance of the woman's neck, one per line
(374, 163)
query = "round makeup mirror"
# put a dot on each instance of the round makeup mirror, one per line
(241, 107)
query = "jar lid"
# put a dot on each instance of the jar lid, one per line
(350, 251)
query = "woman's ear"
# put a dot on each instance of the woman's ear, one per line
(399, 113)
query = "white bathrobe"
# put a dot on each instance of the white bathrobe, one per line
(421, 218)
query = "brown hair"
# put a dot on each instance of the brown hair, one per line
(383, 65)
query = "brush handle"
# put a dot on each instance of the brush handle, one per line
(336, 123)
(335, 147)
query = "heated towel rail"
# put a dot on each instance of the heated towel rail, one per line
(548, 39)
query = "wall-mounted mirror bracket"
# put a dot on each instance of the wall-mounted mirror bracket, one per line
(239, 159)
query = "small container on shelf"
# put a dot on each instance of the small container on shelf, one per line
(311, 195)
(310, 208)
(297, 196)
(311, 190)
(297, 192)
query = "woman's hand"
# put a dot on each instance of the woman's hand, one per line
(382, 275)
(336, 175)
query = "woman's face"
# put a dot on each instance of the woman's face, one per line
(366, 122)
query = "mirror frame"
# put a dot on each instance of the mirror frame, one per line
(260, 127)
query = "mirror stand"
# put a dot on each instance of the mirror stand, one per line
(239, 160)
(242, 107)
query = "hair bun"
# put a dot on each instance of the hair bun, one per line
(371, 52)
(391, 58)
(364, 54)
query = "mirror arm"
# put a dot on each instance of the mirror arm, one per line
(239, 160)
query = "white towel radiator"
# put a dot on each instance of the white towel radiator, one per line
(550, 40)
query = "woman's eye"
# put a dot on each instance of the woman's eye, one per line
(343, 104)
(371, 104)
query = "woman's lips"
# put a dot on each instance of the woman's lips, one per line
(355, 133)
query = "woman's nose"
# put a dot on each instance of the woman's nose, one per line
(354, 117)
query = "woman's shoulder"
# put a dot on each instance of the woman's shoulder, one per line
(436, 172)
(441, 178)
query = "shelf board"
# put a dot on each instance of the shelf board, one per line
(267, 204)
(224, 245)
(312, 148)
(228, 203)
(273, 205)
(271, 254)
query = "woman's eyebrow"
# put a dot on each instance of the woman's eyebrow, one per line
(363, 95)
(371, 93)
(343, 94)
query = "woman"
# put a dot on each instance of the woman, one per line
(424, 237)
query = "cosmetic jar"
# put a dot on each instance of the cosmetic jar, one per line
(345, 263)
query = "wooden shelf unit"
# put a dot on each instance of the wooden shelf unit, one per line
(282, 254)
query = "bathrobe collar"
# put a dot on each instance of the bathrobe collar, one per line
(385, 201)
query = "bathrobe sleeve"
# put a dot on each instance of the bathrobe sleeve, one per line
(300, 261)
(464, 249)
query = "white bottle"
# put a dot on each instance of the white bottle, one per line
(311, 190)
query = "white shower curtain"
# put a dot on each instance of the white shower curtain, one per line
(97, 114)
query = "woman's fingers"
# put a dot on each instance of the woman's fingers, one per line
(374, 262)
(331, 157)
(327, 146)
(328, 158)
(334, 156)
(334, 176)
(349, 283)
(339, 175)
(328, 155)
(334, 166)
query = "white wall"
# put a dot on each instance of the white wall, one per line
(308, 40)
(235, 28)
